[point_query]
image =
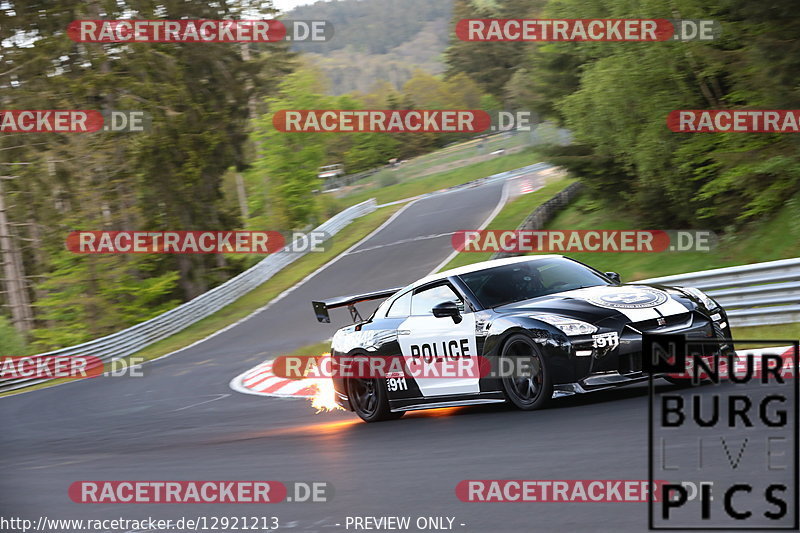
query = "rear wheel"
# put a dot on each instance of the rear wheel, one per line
(370, 399)
(528, 386)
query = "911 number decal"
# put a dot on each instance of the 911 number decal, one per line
(396, 384)
(606, 340)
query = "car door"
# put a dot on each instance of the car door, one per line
(433, 339)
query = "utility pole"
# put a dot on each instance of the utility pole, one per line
(13, 272)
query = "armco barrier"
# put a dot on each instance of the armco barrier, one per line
(135, 338)
(757, 294)
(753, 295)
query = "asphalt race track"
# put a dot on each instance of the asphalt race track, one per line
(183, 422)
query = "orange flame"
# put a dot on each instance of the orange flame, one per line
(325, 397)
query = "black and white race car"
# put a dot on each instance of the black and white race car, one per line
(578, 328)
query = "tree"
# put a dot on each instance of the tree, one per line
(200, 97)
(291, 160)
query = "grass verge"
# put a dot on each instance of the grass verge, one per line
(771, 332)
(775, 238)
(318, 348)
(442, 180)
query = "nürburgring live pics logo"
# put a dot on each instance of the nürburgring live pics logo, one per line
(728, 444)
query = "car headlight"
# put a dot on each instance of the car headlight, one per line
(570, 326)
(706, 300)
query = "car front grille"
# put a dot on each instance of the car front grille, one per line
(663, 324)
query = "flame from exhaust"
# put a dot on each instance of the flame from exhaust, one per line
(325, 397)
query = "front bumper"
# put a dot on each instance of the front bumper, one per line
(622, 365)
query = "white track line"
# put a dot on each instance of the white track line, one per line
(494, 213)
(235, 383)
(251, 315)
(240, 383)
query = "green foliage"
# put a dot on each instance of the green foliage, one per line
(369, 150)
(756, 241)
(168, 178)
(11, 342)
(489, 64)
(290, 161)
(388, 179)
(284, 179)
(615, 98)
(78, 303)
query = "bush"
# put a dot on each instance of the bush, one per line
(387, 179)
(11, 342)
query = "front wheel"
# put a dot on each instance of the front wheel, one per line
(370, 399)
(528, 386)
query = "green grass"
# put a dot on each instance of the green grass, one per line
(285, 279)
(776, 238)
(418, 166)
(771, 332)
(442, 180)
(510, 217)
(772, 239)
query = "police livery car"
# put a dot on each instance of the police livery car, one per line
(578, 330)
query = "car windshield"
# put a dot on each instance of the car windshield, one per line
(515, 282)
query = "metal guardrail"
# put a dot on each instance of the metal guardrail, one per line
(135, 338)
(753, 295)
(501, 176)
(545, 212)
(756, 294)
(138, 337)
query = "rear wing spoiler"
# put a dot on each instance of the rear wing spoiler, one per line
(321, 307)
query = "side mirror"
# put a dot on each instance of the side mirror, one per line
(614, 277)
(445, 309)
